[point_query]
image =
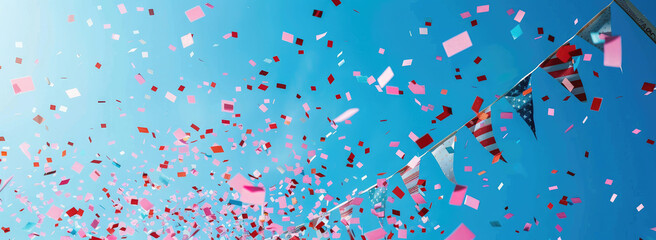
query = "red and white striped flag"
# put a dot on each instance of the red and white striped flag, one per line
(346, 212)
(561, 67)
(481, 127)
(410, 176)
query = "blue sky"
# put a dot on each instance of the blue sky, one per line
(66, 52)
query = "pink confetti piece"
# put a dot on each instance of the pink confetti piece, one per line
(613, 52)
(418, 198)
(458, 195)
(287, 37)
(587, 57)
(465, 15)
(94, 175)
(375, 234)
(145, 204)
(417, 89)
(483, 9)
(403, 233)
(140, 79)
(170, 96)
(187, 40)
(392, 90)
(194, 13)
(263, 108)
(471, 202)
(461, 233)
(457, 44)
(54, 212)
(22, 85)
(519, 16)
(506, 115)
(568, 84)
(569, 128)
(608, 182)
(77, 167)
(122, 9)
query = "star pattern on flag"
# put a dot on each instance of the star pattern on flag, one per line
(523, 103)
(378, 195)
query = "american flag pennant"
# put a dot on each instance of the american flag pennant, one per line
(481, 127)
(520, 98)
(444, 154)
(377, 197)
(600, 24)
(561, 67)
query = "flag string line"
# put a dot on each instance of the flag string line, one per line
(321, 215)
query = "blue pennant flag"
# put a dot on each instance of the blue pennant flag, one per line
(378, 197)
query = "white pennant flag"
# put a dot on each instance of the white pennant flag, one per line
(444, 156)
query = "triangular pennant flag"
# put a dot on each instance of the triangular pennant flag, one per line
(444, 155)
(600, 24)
(520, 98)
(378, 196)
(561, 67)
(346, 211)
(481, 127)
(410, 176)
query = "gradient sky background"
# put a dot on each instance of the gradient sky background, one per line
(65, 53)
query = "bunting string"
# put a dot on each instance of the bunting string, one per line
(486, 109)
